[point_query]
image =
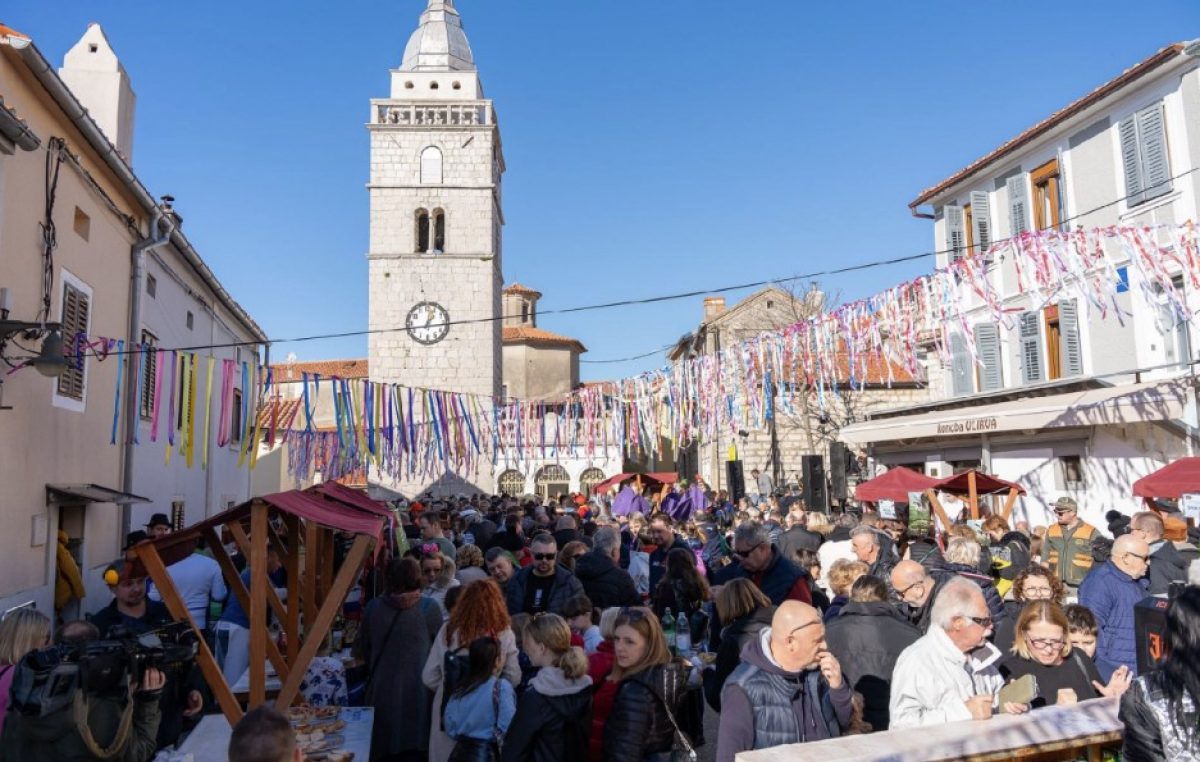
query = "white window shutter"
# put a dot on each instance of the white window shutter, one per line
(981, 222)
(1018, 205)
(1130, 161)
(1152, 139)
(960, 366)
(956, 237)
(1032, 368)
(987, 346)
(1071, 347)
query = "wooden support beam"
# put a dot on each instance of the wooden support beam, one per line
(259, 583)
(311, 534)
(328, 540)
(236, 587)
(1009, 502)
(319, 628)
(244, 542)
(938, 509)
(972, 494)
(148, 554)
(292, 626)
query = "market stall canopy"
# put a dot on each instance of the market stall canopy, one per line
(960, 484)
(351, 497)
(655, 479)
(1173, 480)
(895, 485)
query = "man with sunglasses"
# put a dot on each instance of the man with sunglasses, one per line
(917, 590)
(1111, 591)
(756, 559)
(951, 673)
(544, 585)
(1068, 546)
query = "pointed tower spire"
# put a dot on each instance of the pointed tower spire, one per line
(439, 44)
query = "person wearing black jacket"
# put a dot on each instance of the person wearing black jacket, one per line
(649, 690)
(665, 540)
(605, 583)
(554, 716)
(747, 613)
(1167, 564)
(797, 537)
(867, 638)
(545, 585)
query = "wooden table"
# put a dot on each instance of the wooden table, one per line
(209, 742)
(1051, 733)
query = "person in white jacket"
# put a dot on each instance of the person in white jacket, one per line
(950, 674)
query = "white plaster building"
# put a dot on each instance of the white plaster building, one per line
(1065, 402)
(114, 241)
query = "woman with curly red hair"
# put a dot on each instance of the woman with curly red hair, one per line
(479, 612)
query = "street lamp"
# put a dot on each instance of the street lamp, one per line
(50, 359)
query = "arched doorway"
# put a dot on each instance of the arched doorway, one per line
(551, 480)
(588, 479)
(511, 483)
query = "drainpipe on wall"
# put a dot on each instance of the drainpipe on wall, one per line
(137, 255)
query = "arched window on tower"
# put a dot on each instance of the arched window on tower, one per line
(422, 243)
(439, 231)
(431, 166)
(524, 312)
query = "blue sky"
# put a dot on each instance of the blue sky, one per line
(652, 147)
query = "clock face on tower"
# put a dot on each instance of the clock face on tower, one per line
(428, 322)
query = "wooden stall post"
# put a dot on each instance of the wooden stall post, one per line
(937, 508)
(311, 532)
(293, 574)
(234, 583)
(319, 627)
(972, 494)
(1009, 502)
(258, 603)
(243, 542)
(204, 657)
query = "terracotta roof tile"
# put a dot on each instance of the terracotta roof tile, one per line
(281, 412)
(1124, 78)
(294, 371)
(517, 288)
(8, 31)
(523, 334)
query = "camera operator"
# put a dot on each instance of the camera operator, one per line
(132, 612)
(118, 732)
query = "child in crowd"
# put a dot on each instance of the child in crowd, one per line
(519, 623)
(1083, 628)
(578, 613)
(482, 707)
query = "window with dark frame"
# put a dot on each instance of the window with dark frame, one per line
(178, 516)
(150, 365)
(237, 416)
(1047, 196)
(1072, 471)
(75, 307)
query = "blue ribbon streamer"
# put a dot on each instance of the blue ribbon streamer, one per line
(117, 394)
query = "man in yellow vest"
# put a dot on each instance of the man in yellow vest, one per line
(1068, 547)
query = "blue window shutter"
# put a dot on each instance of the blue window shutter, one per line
(960, 366)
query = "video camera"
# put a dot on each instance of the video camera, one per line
(45, 681)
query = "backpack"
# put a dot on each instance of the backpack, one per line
(456, 665)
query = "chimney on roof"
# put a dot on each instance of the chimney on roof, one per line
(95, 75)
(714, 306)
(168, 208)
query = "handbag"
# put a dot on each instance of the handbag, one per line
(476, 750)
(683, 751)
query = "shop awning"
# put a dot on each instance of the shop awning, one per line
(1173, 480)
(90, 493)
(1116, 405)
(893, 485)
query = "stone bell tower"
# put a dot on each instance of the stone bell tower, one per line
(436, 219)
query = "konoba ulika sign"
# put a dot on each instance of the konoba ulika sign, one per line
(968, 426)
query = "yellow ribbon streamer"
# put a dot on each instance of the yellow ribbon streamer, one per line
(207, 412)
(191, 410)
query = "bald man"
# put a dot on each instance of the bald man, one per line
(788, 688)
(1111, 591)
(918, 589)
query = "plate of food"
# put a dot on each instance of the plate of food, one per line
(333, 755)
(318, 741)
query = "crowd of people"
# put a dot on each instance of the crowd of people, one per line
(524, 629)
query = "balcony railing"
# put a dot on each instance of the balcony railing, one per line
(434, 114)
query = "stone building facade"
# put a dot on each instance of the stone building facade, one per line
(802, 426)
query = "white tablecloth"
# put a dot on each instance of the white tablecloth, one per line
(209, 742)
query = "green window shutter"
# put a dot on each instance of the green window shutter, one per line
(1152, 140)
(1018, 205)
(981, 221)
(1070, 346)
(1032, 368)
(960, 366)
(956, 236)
(1130, 161)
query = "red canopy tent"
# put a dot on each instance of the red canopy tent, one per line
(301, 527)
(351, 497)
(655, 479)
(893, 485)
(1172, 480)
